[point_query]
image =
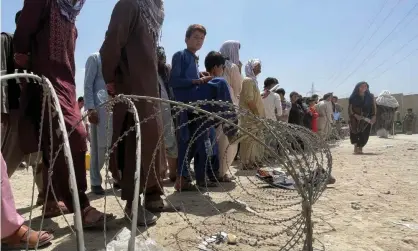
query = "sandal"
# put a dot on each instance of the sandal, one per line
(145, 217)
(160, 206)
(226, 178)
(40, 201)
(182, 184)
(206, 183)
(98, 218)
(54, 209)
(19, 239)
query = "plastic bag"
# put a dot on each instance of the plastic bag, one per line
(121, 240)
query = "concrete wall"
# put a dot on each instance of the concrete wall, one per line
(405, 102)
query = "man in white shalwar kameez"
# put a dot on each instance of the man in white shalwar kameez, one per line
(325, 119)
(95, 94)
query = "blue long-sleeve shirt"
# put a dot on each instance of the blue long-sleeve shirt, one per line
(93, 84)
(185, 69)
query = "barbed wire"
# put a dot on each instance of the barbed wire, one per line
(265, 217)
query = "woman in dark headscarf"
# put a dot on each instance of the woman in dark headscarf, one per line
(362, 113)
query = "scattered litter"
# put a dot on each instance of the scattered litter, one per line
(411, 149)
(232, 239)
(410, 225)
(121, 240)
(409, 241)
(387, 192)
(217, 239)
(355, 206)
(388, 146)
(360, 194)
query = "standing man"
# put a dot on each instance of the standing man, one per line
(10, 116)
(271, 100)
(296, 113)
(409, 122)
(325, 120)
(129, 66)
(315, 97)
(337, 110)
(286, 105)
(95, 94)
(44, 43)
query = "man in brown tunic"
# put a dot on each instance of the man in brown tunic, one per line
(44, 42)
(129, 66)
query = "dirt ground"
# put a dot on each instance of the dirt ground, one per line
(374, 195)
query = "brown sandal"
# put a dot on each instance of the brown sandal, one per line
(98, 219)
(19, 239)
(53, 209)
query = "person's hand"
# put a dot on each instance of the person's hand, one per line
(111, 90)
(197, 81)
(93, 116)
(206, 79)
(21, 60)
(373, 120)
(204, 74)
(358, 117)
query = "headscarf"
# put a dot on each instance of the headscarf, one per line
(70, 10)
(356, 100)
(249, 69)
(152, 11)
(386, 99)
(230, 50)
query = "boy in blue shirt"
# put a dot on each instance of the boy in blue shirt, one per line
(189, 85)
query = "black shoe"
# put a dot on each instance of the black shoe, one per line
(116, 186)
(98, 190)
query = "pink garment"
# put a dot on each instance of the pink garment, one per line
(10, 219)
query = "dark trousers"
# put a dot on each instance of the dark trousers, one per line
(195, 149)
(360, 138)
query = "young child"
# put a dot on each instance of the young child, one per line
(189, 85)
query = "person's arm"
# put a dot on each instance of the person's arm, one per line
(28, 25)
(90, 76)
(236, 81)
(116, 37)
(176, 80)
(252, 102)
(278, 105)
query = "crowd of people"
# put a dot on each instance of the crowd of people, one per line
(131, 62)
